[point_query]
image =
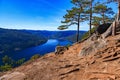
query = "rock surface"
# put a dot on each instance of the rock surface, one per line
(60, 49)
(102, 28)
(102, 64)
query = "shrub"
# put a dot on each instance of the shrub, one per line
(5, 67)
(34, 57)
(20, 62)
(9, 63)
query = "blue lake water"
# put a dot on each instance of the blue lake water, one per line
(47, 47)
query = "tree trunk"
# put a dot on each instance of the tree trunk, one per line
(118, 9)
(114, 28)
(78, 32)
(116, 21)
(103, 17)
(78, 26)
(90, 17)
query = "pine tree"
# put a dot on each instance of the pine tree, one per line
(74, 16)
(103, 10)
(89, 4)
(118, 1)
(91, 7)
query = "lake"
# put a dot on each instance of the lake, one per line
(47, 47)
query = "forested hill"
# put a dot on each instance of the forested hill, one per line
(12, 40)
(66, 35)
(15, 40)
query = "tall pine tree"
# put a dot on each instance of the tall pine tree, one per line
(75, 16)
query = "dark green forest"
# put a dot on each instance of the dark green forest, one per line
(69, 35)
(14, 40)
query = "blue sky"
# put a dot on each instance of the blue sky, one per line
(35, 14)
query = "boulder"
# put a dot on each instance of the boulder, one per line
(102, 28)
(60, 49)
(92, 46)
(97, 40)
(111, 29)
(107, 33)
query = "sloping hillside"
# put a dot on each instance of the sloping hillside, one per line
(104, 64)
(12, 40)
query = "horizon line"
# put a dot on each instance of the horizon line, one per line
(40, 30)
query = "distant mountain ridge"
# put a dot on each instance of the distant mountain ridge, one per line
(12, 40)
(66, 35)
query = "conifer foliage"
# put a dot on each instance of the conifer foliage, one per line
(75, 16)
(96, 13)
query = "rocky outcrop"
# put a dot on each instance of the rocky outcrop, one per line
(108, 32)
(98, 40)
(102, 28)
(60, 49)
(111, 30)
(92, 47)
(92, 44)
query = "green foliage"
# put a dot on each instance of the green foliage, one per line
(63, 27)
(96, 21)
(86, 35)
(104, 11)
(5, 67)
(7, 60)
(9, 63)
(87, 10)
(105, 14)
(75, 16)
(36, 56)
(21, 61)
